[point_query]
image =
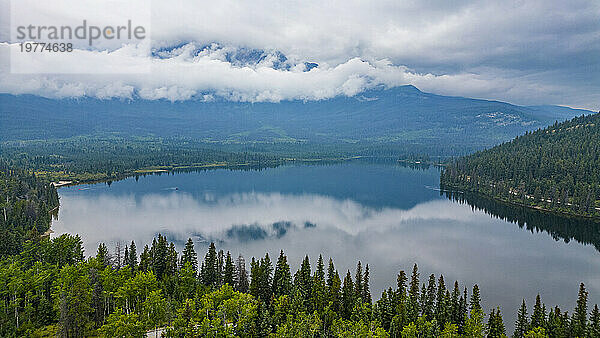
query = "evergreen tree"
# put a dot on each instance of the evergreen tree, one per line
(579, 321)
(189, 255)
(593, 328)
(440, 305)
(335, 296)
(160, 257)
(208, 272)
(475, 303)
(229, 271)
(495, 326)
(220, 267)
(366, 293)
(282, 278)
(538, 317)
(522, 324)
(318, 288)
(303, 282)
(171, 266)
(103, 256)
(145, 259)
(554, 325)
(266, 286)
(454, 309)
(463, 310)
(320, 271)
(126, 257)
(133, 260)
(348, 296)
(358, 282)
(241, 283)
(428, 306)
(413, 295)
(330, 273)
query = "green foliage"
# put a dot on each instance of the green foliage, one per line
(495, 325)
(26, 206)
(72, 297)
(119, 324)
(538, 332)
(557, 168)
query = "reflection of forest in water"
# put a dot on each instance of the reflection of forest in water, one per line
(582, 230)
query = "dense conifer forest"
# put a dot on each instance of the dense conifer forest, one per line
(556, 168)
(50, 288)
(110, 157)
(26, 203)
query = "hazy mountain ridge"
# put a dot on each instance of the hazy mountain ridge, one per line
(398, 115)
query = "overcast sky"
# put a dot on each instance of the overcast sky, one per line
(523, 52)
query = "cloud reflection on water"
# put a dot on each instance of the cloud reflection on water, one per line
(441, 236)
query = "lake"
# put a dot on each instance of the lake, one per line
(386, 215)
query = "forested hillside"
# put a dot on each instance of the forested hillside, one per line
(110, 157)
(404, 117)
(25, 206)
(556, 168)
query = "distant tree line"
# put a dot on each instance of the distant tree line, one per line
(556, 168)
(112, 157)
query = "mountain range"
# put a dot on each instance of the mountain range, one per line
(397, 116)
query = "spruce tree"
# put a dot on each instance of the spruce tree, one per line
(330, 273)
(303, 282)
(358, 282)
(538, 317)
(348, 296)
(188, 256)
(126, 257)
(220, 267)
(282, 279)
(229, 272)
(401, 283)
(160, 256)
(241, 283)
(475, 303)
(335, 296)
(495, 326)
(463, 310)
(171, 264)
(455, 304)
(103, 256)
(320, 271)
(208, 273)
(133, 261)
(413, 295)
(440, 306)
(522, 323)
(366, 294)
(145, 260)
(579, 320)
(266, 285)
(429, 303)
(318, 288)
(593, 328)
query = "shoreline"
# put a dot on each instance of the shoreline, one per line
(595, 219)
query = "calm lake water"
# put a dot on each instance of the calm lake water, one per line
(388, 216)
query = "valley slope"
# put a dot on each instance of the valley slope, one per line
(402, 117)
(556, 168)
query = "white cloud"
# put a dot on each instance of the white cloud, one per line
(524, 52)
